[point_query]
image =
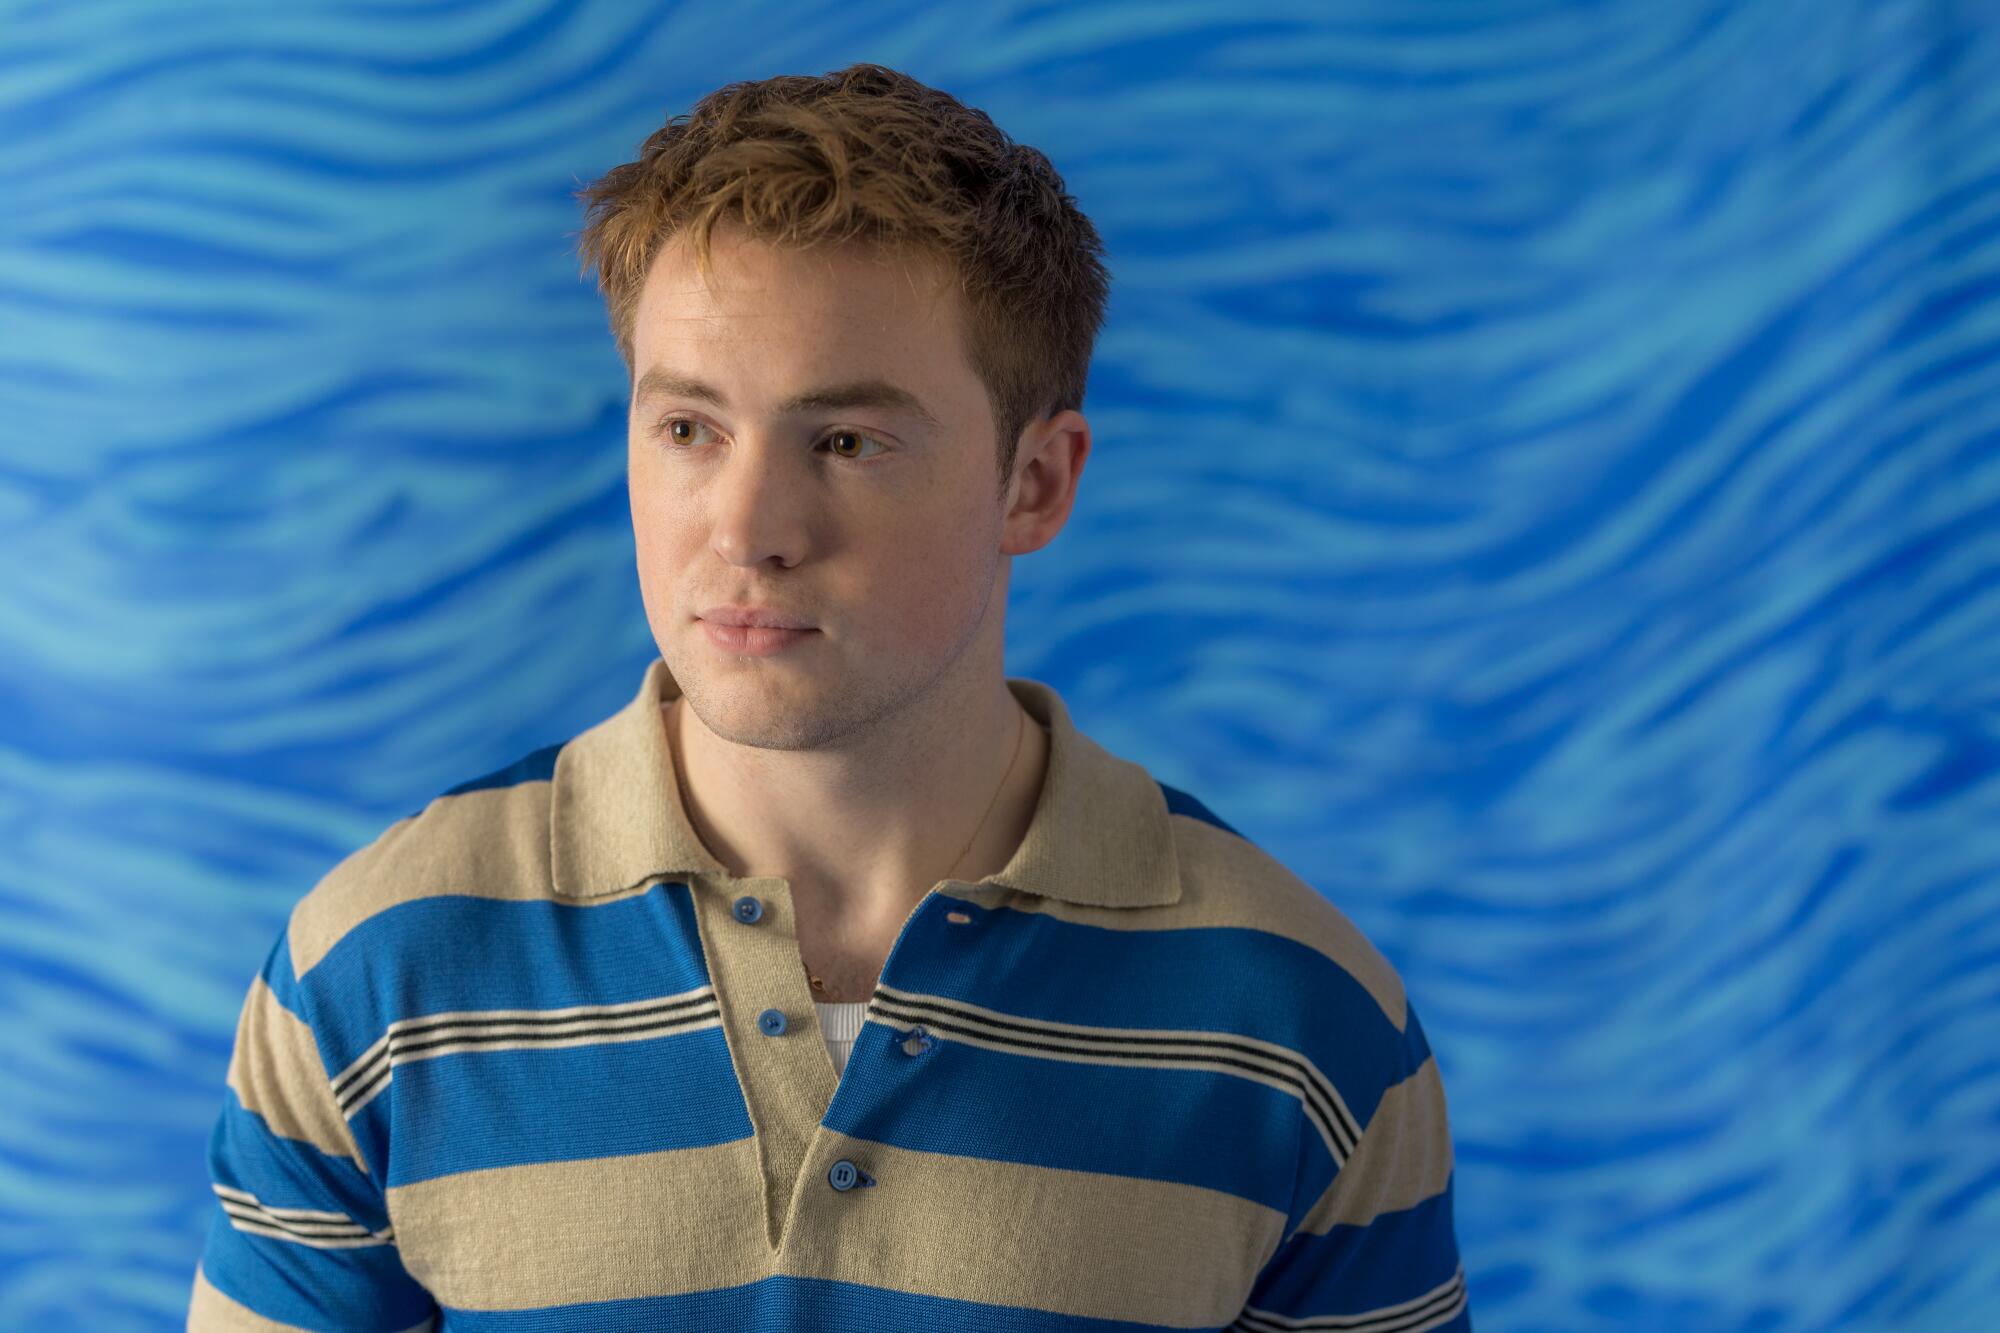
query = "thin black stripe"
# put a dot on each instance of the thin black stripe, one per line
(337, 1230)
(419, 1026)
(1330, 1107)
(1452, 1295)
(1347, 1134)
(397, 1047)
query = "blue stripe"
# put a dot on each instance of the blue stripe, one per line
(790, 1302)
(1059, 1113)
(468, 1111)
(455, 951)
(362, 1287)
(1181, 803)
(1392, 1063)
(1355, 1269)
(1230, 979)
(284, 1172)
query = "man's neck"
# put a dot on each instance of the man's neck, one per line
(862, 834)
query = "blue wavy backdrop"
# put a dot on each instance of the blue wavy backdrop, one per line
(1546, 492)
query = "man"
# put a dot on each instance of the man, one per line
(837, 980)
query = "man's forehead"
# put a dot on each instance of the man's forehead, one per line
(871, 341)
(845, 393)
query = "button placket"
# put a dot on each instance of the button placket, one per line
(749, 909)
(844, 1174)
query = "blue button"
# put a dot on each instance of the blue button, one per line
(916, 1041)
(772, 1021)
(748, 909)
(846, 1176)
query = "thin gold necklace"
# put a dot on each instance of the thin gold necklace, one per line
(1020, 734)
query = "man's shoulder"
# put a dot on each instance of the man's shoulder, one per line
(1228, 880)
(1300, 973)
(487, 837)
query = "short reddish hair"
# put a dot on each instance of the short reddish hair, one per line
(868, 153)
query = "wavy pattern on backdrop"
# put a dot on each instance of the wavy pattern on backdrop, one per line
(1545, 492)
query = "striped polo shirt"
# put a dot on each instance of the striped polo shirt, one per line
(534, 1059)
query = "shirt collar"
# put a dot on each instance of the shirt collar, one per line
(1101, 835)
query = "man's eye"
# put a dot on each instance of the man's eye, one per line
(853, 435)
(669, 428)
(680, 431)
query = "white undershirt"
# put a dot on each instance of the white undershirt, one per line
(842, 1024)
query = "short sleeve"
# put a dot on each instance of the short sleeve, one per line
(1377, 1249)
(300, 1236)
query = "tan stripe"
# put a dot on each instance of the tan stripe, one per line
(606, 1228)
(1405, 1157)
(276, 1071)
(212, 1311)
(491, 843)
(1083, 1243)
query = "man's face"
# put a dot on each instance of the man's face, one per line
(877, 526)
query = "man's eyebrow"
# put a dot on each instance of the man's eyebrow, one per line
(825, 398)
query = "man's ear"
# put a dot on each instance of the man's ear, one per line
(1048, 466)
